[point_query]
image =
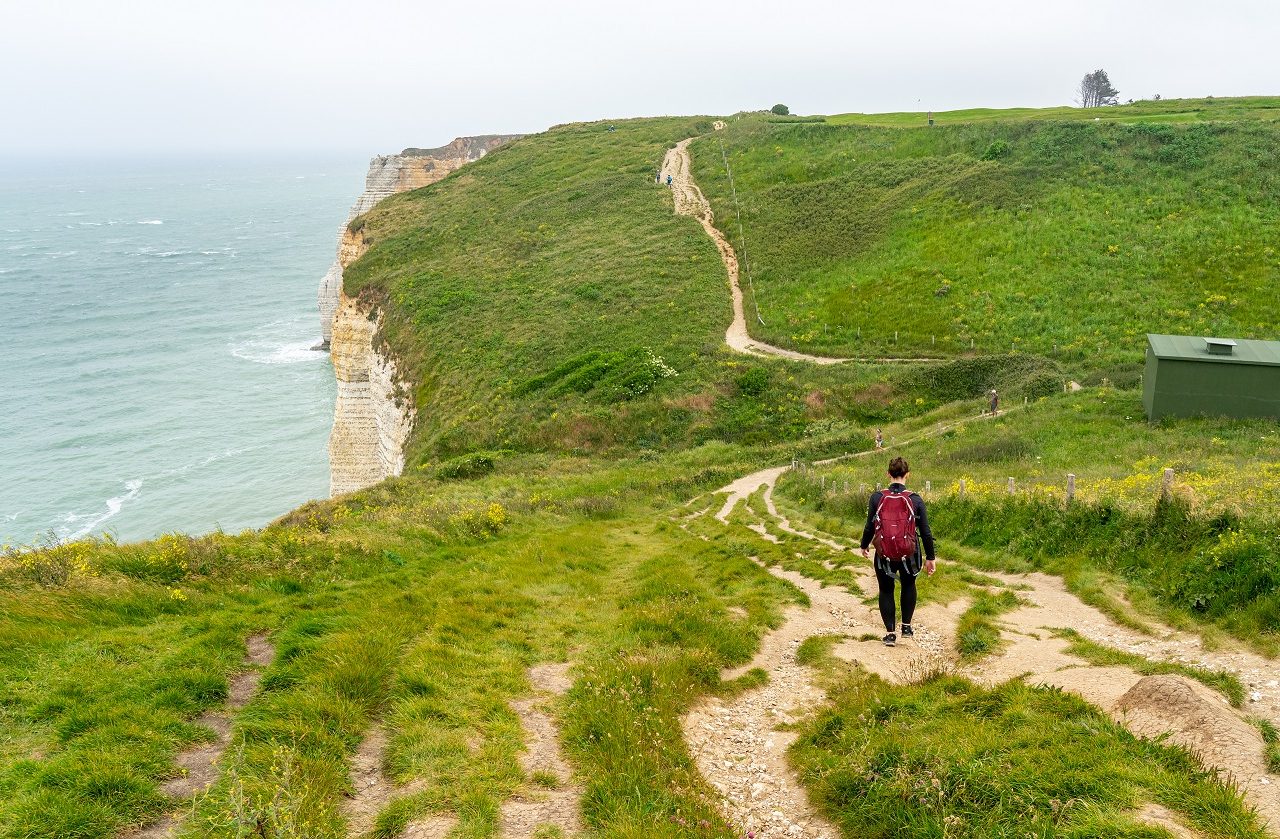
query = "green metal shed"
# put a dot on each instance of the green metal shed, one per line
(1187, 376)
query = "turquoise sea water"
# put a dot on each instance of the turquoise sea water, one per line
(155, 332)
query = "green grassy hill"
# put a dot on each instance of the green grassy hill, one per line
(564, 333)
(1034, 234)
(548, 298)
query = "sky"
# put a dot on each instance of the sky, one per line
(146, 76)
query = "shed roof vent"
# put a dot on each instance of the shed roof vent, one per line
(1220, 346)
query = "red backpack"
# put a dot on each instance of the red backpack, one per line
(895, 535)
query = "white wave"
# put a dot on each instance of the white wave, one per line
(78, 525)
(151, 221)
(150, 251)
(213, 458)
(266, 351)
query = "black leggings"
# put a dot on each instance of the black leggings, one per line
(887, 613)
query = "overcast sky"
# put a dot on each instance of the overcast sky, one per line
(352, 77)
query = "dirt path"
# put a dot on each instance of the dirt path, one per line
(199, 765)
(735, 742)
(551, 797)
(372, 789)
(690, 201)
(1151, 706)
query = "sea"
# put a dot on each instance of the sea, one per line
(156, 330)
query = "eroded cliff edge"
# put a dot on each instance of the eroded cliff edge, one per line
(374, 411)
(390, 174)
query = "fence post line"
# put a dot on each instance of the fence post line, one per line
(1011, 486)
(1166, 483)
(1071, 487)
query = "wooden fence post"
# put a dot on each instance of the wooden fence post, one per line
(928, 486)
(1071, 488)
(1011, 486)
(962, 487)
(1166, 484)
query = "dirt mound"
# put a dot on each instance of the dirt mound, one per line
(1197, 718)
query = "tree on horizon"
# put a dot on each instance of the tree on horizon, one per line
(1095, 90)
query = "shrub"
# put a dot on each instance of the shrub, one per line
(997, 150)
(471, 465)
(753, 382)
(780, 109)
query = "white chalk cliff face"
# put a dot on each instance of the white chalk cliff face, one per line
(374, 411)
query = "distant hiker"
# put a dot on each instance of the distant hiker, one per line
(897, 525)
(668, 180)
(994, 403)
(879, 439)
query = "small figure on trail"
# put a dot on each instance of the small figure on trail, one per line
(879, 439)
(994, 403)
(668, 180)
(898, 526)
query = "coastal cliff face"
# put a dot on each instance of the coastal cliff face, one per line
(388, 175)
(374, 411)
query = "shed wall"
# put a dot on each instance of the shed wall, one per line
(1173, 387)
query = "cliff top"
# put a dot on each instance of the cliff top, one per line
(463, 144)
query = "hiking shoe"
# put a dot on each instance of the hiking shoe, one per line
(890, 640)
(907, 631)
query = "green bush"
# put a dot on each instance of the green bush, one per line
(780, 110)
(466, 466)
(753, 382)
(997, 149)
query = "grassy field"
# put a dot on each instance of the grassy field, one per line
(416, 603)
(1065, 238)
(1163, 110)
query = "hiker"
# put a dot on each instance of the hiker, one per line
(668, 180)
(879, 439)
(897, 525)
(995, 402)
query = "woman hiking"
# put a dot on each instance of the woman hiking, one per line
(897, 525)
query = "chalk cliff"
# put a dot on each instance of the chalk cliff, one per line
(374, 411)
(388, 175)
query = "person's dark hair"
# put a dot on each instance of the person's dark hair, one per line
(898, 467)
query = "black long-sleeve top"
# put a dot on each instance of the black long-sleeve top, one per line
(922, 520)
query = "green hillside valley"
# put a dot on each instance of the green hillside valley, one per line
(616, 588)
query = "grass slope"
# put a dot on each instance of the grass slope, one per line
(947, 758)
(1062, 238)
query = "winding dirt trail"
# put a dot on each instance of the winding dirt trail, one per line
(1150, 706)
(199, 765)
(690, 201)
(735, 742)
